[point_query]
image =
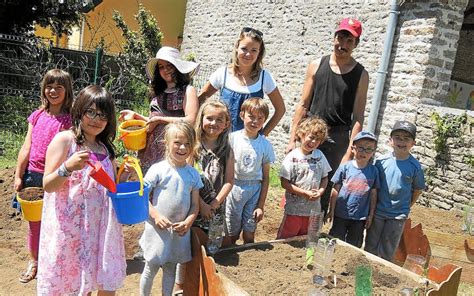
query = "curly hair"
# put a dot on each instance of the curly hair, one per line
(312, 125)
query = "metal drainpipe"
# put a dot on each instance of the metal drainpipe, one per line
(384, 61)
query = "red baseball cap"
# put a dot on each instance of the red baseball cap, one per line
(351, 25)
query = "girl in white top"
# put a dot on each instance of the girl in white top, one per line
(174, 205)
(245, 78)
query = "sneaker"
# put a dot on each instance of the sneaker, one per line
(139, 256)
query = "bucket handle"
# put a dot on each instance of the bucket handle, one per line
(123, 136)
(137, 168)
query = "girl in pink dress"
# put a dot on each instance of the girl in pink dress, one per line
(43, 124)
(81, 244)
(173, 99)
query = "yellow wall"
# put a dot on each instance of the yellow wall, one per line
(168, 13)
(47, 34)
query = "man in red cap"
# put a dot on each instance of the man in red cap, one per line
(335, 89)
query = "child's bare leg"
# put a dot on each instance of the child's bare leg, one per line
(233, 239)
(248, 237)
(226, 241)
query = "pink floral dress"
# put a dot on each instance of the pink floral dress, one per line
(81, 243)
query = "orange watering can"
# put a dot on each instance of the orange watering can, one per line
(98, 173)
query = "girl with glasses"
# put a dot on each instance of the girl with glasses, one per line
(245, 78)
(82, 248)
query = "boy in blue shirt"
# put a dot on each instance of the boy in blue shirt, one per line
(355, 192)
(401, 183)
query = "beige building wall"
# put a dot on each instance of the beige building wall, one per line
(168, 13)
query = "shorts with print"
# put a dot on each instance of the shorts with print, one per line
(240, 204)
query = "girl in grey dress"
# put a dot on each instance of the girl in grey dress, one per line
(174, 206)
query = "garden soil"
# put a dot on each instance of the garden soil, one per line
(282, 270)
(14, 255)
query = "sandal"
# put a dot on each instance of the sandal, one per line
(30, 272)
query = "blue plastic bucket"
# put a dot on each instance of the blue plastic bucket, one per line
(130, 202)
(130, 207)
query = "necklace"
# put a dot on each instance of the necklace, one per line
(92, 147)
(171, 90)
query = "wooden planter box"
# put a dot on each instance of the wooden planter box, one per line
(202, 278)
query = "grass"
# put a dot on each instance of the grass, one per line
(465, 289)
(275, 177)
(11, 146)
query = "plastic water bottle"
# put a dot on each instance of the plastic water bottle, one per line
(363, 280)
(216, 230)
(323, 254)
(315, 224)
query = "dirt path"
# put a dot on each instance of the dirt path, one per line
(14, 255)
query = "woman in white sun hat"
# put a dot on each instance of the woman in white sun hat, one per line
(172, 99)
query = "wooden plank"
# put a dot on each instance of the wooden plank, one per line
(230, 287)
(451, 284)
(450, 246)
(467, 274)
(212, 283)
(193, 278)
(413, 241)
(447, 239)
(450, 253)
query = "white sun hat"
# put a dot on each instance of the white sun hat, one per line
(170, 54)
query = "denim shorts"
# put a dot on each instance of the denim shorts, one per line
(240, 204)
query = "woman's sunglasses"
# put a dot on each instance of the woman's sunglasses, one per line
(256, 32)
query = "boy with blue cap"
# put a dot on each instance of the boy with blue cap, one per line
(401, 183)
(354, 194)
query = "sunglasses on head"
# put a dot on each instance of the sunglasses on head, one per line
(256, 32)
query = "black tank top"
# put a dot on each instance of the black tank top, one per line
(334, 94)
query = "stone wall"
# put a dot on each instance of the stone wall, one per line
(298, 31)
(295, 32)
(449, 176)
(422, 59)
(465, 54)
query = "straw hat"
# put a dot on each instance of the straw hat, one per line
(171, 55)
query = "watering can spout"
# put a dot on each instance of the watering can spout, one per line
(98, 173)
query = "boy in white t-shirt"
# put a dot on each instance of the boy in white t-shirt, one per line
(304, 175)
(253, 157)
